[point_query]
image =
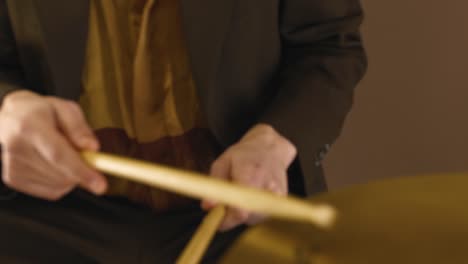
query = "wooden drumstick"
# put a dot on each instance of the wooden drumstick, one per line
(197, 246)
(201, 186)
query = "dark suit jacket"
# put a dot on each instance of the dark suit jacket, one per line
(289, 63)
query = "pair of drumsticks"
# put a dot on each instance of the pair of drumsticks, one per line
(199, 186)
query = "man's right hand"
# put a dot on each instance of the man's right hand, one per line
(41, 138)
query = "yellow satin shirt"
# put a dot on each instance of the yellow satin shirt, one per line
(138, 93)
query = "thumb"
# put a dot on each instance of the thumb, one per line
(73, 124)
(220, 169)
(208, 204)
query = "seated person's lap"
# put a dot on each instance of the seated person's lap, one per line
(82, 228)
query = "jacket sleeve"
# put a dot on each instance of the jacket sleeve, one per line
(11, 75)
(322, 61)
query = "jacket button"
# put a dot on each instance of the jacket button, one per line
(321, 154)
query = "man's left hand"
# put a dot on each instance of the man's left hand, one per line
(260, 160)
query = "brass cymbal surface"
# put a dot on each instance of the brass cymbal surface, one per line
(420, 219)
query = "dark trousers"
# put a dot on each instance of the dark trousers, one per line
(82, 228)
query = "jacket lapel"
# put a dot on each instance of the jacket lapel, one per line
(206, 23)
(64, 27)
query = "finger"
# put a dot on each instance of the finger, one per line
(44, 183)
(249, 172)
(39, 190)
(3, 121)
(233, 218)
(34, 167)
(72, 122)
(20, 154)
(219, 169)
(275, 186)
(283, 187)
(59, 153)
(255, 219)
(208, 204)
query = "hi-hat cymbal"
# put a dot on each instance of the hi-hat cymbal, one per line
(409, 220)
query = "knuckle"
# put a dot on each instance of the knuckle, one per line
(66, 108)
(270, 137)
(19, 129)
(237, 159)
(273, 186)
(7, 176)
(283, 191)
(13, 144)
(219, 165)
(72, 107)
(284, 150)
(266, 133)
(68, 181)
(10, 101)
(215, 166)
(76, 171)
(266, 130)
(291, 150)
(72, 104)
(55, 156)
(7, 104)
(250, 174)
(75, 119)
(56, 194)
(9, 180)
(61, 106)
(22, 126)
(287, 147)
(256, 170)
(79, 174)
(242, 217)
(230, 222)
(53, 196)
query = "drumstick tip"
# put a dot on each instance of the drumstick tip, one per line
(324, 216)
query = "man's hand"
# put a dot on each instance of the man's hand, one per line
(260, 160)
(40, 138)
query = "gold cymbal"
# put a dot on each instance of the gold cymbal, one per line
(410, 220)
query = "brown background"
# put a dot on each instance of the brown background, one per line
(411, 110)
